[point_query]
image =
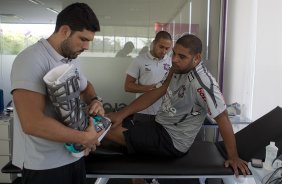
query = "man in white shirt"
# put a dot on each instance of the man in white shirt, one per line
(148, 71)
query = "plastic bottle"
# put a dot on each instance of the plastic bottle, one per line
(270, 154)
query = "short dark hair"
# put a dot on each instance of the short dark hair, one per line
(162, 34)
(78, 16)
(191, 42)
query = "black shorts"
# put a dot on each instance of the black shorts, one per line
(143, 117)
(73, 173)
(148, 137)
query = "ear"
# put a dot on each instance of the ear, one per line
(68, 33)
(197, 58)
(65, 31)
(153, 43)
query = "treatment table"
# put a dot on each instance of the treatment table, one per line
(202, 161)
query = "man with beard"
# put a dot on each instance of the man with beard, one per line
(189, 94)
(38, 135)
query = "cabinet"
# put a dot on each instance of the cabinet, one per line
(5, 146)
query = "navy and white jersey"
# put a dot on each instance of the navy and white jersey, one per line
(188, 100)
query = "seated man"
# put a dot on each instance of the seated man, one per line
(189, 94)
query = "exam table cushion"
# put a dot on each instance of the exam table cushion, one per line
(252, 140)
(202, 159)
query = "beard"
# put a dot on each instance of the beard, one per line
(67, 52)
(180, 71)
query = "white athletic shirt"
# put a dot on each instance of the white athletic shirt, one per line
(148, 70)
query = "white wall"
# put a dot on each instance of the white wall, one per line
(253, 70)
(108, 76)
(268, 75)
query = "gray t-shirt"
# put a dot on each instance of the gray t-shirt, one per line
(188, 100)
(28, 71)
(148, 70)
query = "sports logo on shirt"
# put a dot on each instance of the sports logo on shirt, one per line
(166, 66)
(181, 91)
(202, 94)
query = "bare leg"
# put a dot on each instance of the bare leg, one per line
(138, 181)
(116, 135)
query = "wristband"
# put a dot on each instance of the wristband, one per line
(97, 98)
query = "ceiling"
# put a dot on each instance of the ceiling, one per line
(109, 12)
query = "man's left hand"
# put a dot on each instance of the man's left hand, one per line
(238, 164)
(96, 107)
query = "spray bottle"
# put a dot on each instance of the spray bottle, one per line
(270, 154)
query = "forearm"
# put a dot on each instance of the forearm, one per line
(146, 99)
(88, 93)
(139, 88)
(48, 128)
(229, 142)
(226, 131)
(34, 121)
(143, 101)
(95, 106)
